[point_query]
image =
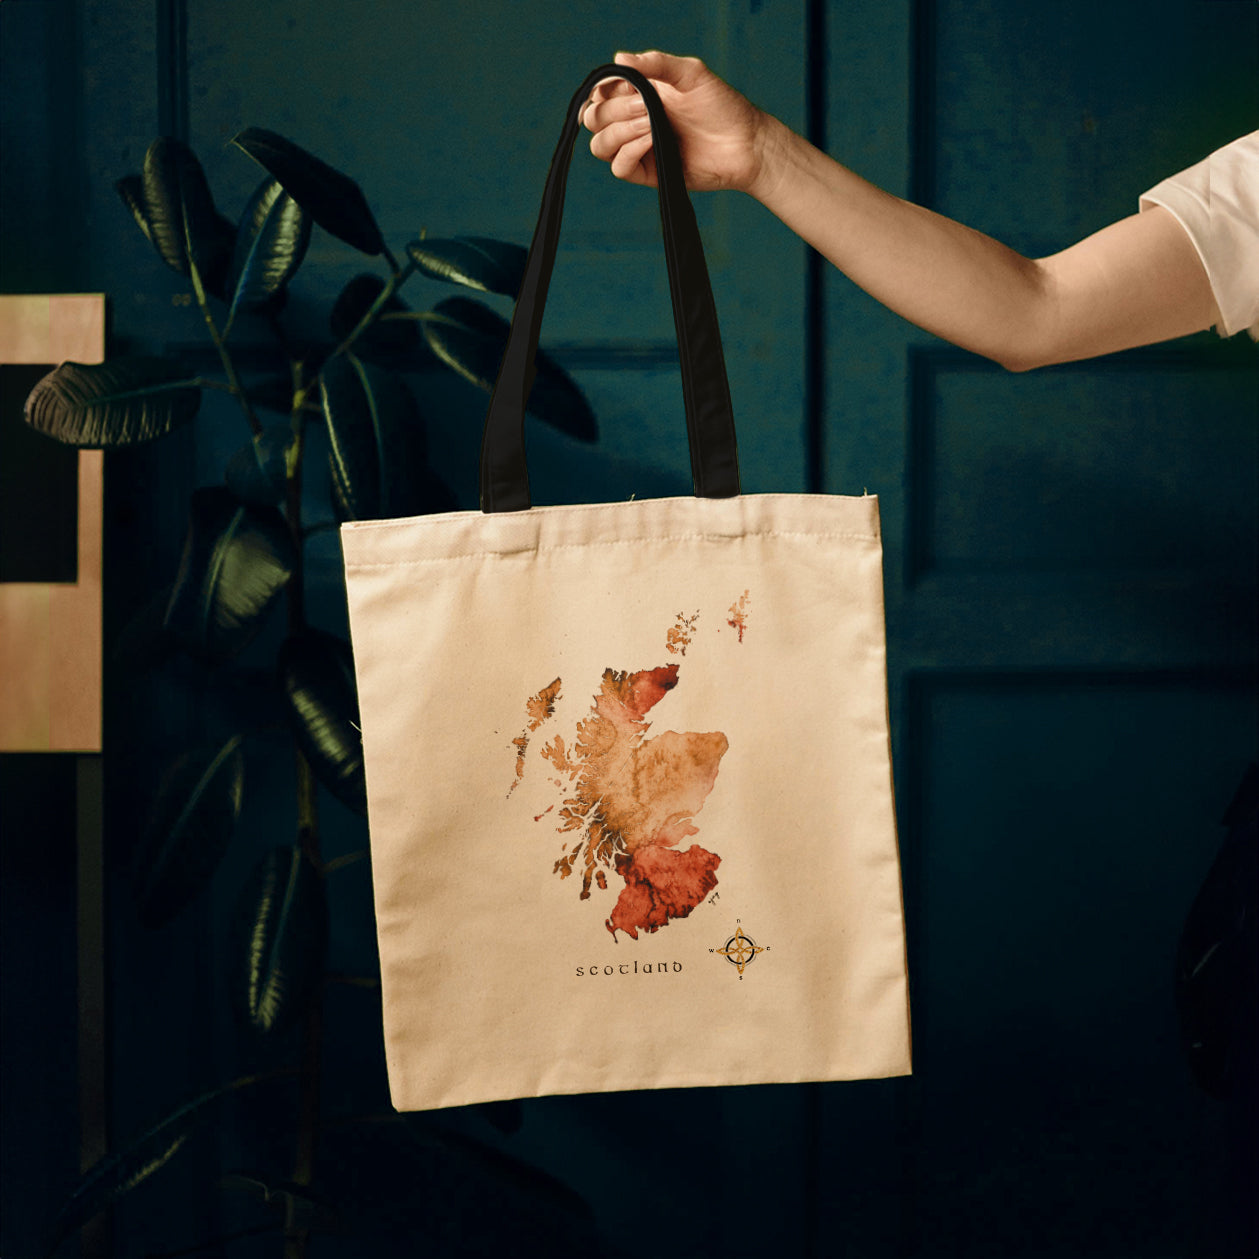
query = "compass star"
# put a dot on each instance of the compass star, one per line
(740, 950)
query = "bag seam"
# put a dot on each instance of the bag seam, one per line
(585, 509)
(358, 565)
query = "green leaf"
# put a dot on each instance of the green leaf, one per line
(279, 934)
(237, 557)
(270, 245)
(293, 1201)
(394, 342)
(432, 495)
(120, 403)
(190, 824)
(142, 645)
(477, 262)
(377, 439)
(118, 1173)
(131, 189)
(437, 495)
(242, 697)
(507, 1116)
(332, 199)
(316, 672)
(496, 1170)
(174, 200)
(257, 472)
(470, 338)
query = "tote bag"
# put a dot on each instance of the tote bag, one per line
(628, 772)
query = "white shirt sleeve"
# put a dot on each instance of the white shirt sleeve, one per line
(1217, 203)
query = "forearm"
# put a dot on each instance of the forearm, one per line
(1133, 283)
(1138, 281)
(944, 277)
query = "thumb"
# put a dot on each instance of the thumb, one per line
(662, 66)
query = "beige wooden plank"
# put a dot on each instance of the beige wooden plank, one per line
(24, 667)
(25, 332)
(50, 633)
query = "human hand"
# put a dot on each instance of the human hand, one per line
(721, 134)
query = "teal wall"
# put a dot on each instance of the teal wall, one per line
(1070, 585)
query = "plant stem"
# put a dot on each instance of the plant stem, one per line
(324, 526)
(309, 1088)
(277, 330)
(293, 501)
(392, 285)
(229, 368)
(215, 1244)
(346, 859)
(296, 1235)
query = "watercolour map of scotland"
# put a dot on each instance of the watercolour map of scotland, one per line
(627, 797)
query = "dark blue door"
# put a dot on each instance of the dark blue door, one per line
(1070, 581)
(1071, 605)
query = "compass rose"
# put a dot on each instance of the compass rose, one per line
(740, 950)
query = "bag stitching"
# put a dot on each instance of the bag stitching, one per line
(583, 546)
(388, 526)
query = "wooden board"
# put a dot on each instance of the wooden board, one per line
(50, 633)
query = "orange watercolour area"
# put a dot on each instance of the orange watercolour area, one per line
(542, 705)
(635, 798)
(537, 709)
(556, 753)
(678, 639)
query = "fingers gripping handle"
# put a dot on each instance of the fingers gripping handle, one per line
(705, 389)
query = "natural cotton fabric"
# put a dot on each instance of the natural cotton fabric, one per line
(630, 796)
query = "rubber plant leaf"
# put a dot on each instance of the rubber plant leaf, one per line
(332, 199)
(294, 1201)
(494, 1171)
(278, 938)
(131, 189)
(191, 822)
(507, 1116)
(316, 672)
(117, 1174)
(124, 402)
(470, 338)
(376, 438)
(394, 342)
(257, 472)
(431, 494)
(237, 558)
(142, 645)
(476, 262)
(270, 245)
(174, 200)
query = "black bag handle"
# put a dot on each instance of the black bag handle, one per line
(705, 389)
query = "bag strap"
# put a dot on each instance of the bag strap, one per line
(705, 389)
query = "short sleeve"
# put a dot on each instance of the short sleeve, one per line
(1217, 202)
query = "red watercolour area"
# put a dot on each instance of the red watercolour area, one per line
(739, 614)
(660, 884)
(637, 693)
(634, 801)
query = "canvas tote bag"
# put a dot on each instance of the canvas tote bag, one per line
(628, 775)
